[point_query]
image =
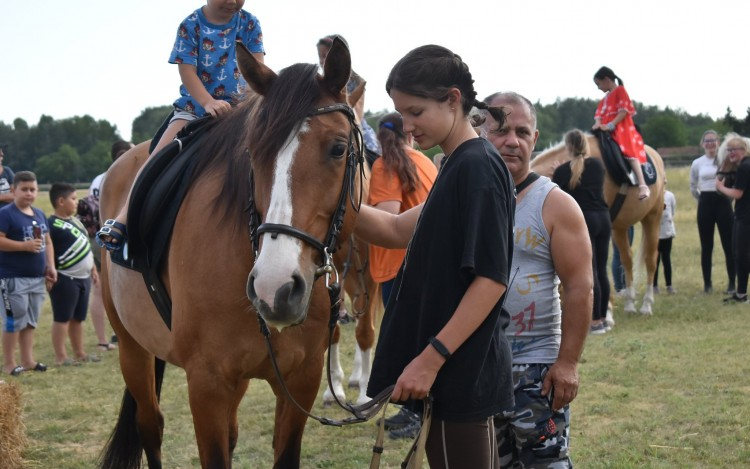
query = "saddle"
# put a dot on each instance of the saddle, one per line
(620, 171)
(155, 200)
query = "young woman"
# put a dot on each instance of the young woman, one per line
(714, 210)
(583, 178)
(737, 149)
(443, 330)
(615, 114)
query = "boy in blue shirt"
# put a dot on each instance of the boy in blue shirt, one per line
(26, 259)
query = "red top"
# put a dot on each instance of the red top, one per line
(625, 133)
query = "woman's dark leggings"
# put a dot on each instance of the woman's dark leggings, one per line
(600, 232)
(715, 209)
(742, 253)
(665, 257)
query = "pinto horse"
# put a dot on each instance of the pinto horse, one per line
(648, 212)
(366, 304)
(293, 150)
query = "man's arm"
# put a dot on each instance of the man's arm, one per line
(571, 255)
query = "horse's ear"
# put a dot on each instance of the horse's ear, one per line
(357, 94)
(337, 67)
(256, 73)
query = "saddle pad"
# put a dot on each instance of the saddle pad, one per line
(617, 168)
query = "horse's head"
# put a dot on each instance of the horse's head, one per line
(306, 151)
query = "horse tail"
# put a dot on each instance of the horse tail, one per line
(124, 449)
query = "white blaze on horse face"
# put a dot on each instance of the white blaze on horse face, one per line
(279, 257)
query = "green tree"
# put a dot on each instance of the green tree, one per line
(664, 131)
(61, 165)
(149, 122)
(96, 160)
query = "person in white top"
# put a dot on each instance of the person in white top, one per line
(98, 316)
(667, 233)
(714, 210)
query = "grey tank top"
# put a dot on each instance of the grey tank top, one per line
(533, 300)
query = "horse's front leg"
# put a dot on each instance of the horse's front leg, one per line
(650, 254)
(337, 372)
(214, 401)
(620, 238)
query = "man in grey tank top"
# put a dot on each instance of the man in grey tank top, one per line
(546, 335)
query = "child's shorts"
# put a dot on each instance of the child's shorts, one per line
(22, 302)
(70, 298)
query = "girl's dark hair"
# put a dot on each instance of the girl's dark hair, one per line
(430, 72)
(395, 159)
(119, 148)
(606, 72)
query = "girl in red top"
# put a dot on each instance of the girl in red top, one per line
(615, 114)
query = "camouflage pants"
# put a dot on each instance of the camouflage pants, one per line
(533, 436)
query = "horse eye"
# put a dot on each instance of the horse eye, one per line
(338, 150)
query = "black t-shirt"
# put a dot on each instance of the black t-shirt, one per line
(465, 230)
(589, 193)
(742, 205)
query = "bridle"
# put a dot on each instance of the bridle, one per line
(327, 247)
(354, 160)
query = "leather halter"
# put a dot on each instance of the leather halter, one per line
(328, 246)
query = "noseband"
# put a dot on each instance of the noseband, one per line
(329, 245)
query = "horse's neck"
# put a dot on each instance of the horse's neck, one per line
(546, 162)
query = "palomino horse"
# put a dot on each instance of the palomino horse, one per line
(366, 303)
(293, 150)
(647, 212)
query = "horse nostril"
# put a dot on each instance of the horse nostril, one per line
(292, 292)
(250, 290)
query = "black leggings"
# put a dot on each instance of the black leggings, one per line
(742, 254)
(600, 232)
(715, 209)
(665, 257)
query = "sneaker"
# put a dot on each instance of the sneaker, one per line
(671, 290)
(598, 329)
(656, 290)
(734, 299)
(730, 290)
(410, 431)
(709, 289)
(402, 419)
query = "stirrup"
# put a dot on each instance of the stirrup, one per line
(115, 233)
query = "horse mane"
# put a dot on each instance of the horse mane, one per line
(256, 129)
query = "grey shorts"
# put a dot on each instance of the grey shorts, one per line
(22, 302)
(182, 115)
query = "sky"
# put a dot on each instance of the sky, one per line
(108, 59)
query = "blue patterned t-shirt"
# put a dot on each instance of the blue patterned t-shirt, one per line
(211, 49)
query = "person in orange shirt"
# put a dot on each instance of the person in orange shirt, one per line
(401, 179)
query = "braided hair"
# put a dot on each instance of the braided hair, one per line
(430, 72)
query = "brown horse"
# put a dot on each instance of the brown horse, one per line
(366, 304)
(293, 150)
(647, 212)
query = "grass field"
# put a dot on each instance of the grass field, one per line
(666, 391)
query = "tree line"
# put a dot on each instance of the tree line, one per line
(76, 149)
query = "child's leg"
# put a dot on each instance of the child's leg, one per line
(643, 190)
(10, 341)
(59, 333)
(26, 346)
(98, 315)
(75, 332)
(169, 134)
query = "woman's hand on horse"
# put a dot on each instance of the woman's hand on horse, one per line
(217, 107)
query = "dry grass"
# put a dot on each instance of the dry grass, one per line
(12, 430)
